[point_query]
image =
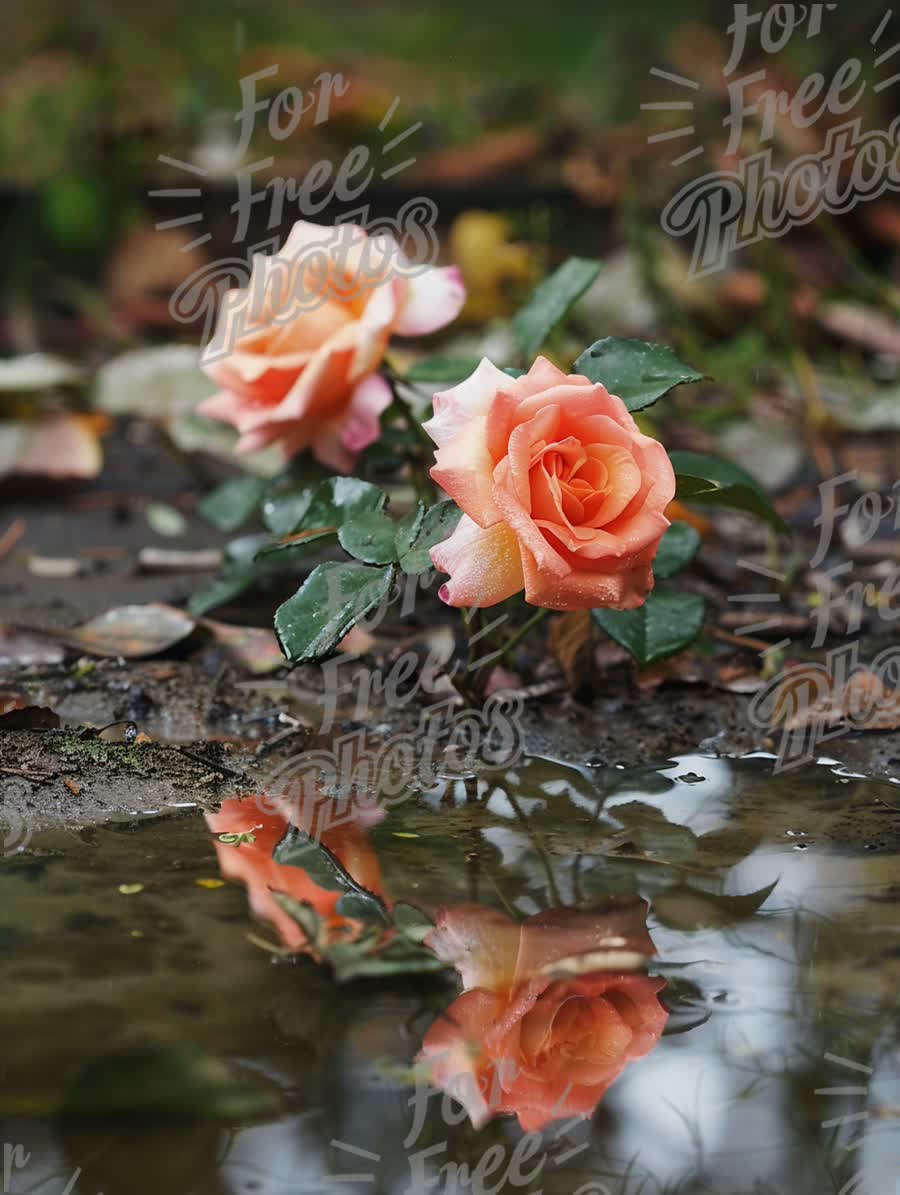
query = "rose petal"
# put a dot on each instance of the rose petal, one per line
(434, 298)
(485, 566)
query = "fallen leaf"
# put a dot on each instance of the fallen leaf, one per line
(864, 326)
(25, 649)
(254, 648)
(177, 560)
(570, 640)
(74, 789)
(36, 371)
(129, 631)
(55, 568)
(57, 446)
(864, 701)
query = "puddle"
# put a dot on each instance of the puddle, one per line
(156, 1041)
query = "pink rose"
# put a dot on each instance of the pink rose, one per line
(561, 494)
(527, 1039)
(314, 323)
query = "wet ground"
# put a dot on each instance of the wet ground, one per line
(157, 1039)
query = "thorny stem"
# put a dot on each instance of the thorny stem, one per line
(425, 487)
(516, 638)
(470, 685)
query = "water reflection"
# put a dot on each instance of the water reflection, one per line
(767, 1064)
(547, 1019)
(247, 833)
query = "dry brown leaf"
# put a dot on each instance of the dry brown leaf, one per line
(570, 642)
(864, 702)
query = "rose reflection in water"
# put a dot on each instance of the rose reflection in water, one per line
(253, 827)
(544, 1025)
(553, 1008)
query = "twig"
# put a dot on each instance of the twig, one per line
(29, 773)
(222, 768)
(11, 537)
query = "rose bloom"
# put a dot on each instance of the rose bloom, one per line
(521, 1040)
(313, 326)
(561, 494)
(252, 864)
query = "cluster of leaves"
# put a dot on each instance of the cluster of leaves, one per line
(337, 594)
(390, 940)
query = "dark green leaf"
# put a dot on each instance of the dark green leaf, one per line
(334, 597)
(223, 589)
(298, 849)
(639, 373)
(649, 831)
(408, 528)
(437, 524)
(665, 624)
(412, 922)
(240, 571)
(283, 512)
(677, 548)
(232, 503)
(295, 543)
(369, 536)
(352, 960)
(550, 302)
(329, 504)
(339, 499)
(450, 370)
(712, 468)
(737, 497)
(690, 908)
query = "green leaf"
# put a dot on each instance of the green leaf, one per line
(357, 960)
(677, 548)
(283, 512)
(339, 499)
(639, 373)
(437, 524)
(369, 537)
(221, 591)
(408, 528)
(688, 908)
(550, 302)
(412, 922)
(232, 503)
(712, 468)
(665, 624)
(240, 571)
(295, 543)
(329, 504)
(737, 497)
(443, 369)
(333, 598)
(298, 849)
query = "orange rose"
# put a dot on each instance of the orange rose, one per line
(519, 1040)
(561, 494)
(314, 324)
(251, 862)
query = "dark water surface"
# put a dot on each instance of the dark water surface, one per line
(150, 1043)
